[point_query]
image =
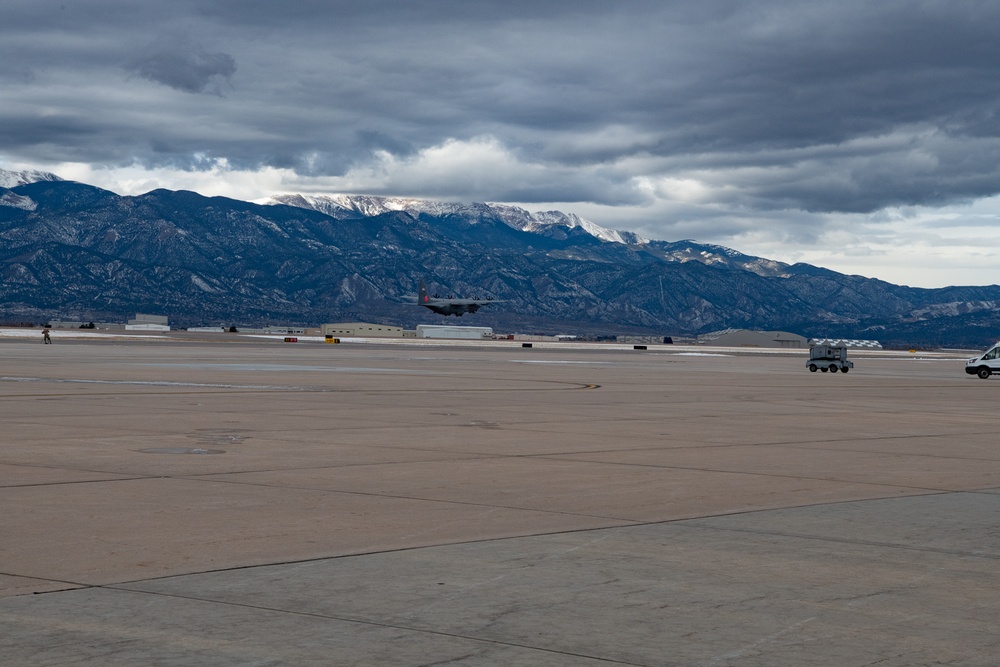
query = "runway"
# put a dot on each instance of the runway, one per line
(178, 501)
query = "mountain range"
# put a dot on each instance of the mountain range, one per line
(73, 251)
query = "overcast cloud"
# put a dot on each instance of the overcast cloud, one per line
(861, 136)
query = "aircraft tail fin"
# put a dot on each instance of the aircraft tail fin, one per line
(422, 294)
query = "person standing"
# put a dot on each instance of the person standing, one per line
(46, 338)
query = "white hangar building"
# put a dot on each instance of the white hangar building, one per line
(748, 338)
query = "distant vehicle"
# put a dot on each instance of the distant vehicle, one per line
(985, 364)
(451, 305)
(825, 358)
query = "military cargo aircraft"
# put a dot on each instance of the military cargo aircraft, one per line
(451, 305)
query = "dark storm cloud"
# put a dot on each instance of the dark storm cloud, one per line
(769, 105)
(184, 67)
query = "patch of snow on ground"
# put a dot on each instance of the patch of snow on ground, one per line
(63, 333)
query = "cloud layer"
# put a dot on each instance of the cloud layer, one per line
(777, 123)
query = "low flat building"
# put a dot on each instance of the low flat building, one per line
(365, 330)
(648, 339)
(535, 338)
(453, 332)
(64, 324)
(283, 330)
(144, 322)
(748, 338)
(142, 318)
(146, 327)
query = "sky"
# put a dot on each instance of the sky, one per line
(856, 135)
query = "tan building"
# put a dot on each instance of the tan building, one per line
(365, 330)
(748, 338)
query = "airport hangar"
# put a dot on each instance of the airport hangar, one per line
(748, 338)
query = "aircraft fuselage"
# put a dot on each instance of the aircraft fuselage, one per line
(456, 307)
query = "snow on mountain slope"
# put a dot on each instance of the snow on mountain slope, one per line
(17, 201)
(573, 220)
(12, 179)
(514, 216)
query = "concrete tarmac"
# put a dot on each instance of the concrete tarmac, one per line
(179, 501)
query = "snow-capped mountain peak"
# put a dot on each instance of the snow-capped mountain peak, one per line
(573, 220)
(518, 218)
(12, 179)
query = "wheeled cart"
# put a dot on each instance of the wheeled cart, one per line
(832, 359)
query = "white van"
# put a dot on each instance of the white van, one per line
(986, 364)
